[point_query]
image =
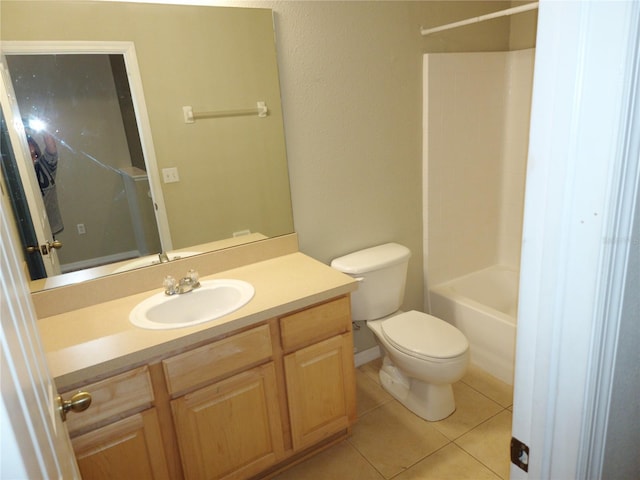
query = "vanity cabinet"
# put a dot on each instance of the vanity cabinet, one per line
(319, 371)
(244, 405)
(119, 436)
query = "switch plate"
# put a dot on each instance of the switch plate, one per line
(170, 175)
(81, 229)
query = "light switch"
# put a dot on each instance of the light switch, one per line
(170, 175)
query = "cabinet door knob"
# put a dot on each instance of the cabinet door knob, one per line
(78, 403)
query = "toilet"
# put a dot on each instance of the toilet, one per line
(423, 355)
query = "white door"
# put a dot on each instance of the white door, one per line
(582, 185)
(34, 441)
(27, 173)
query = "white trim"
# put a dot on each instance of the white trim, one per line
(127, 49)
(367, 355)
(36, 47)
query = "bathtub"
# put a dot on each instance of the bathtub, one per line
(483, 305)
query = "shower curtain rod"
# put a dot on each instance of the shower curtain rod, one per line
(481, 18)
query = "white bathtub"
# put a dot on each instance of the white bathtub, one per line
(483, 305)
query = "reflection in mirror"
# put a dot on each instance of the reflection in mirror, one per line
(82, 103)
(232, 174)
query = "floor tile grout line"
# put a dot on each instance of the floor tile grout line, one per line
(423, 458)
(474, 428)
(487, 396)
(489, 418)
(367, 460)
(479, 461)
(382, 404)
(409, 467)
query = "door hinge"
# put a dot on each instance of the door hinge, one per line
(519, 454)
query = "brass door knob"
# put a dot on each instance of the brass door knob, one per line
(44, 248)
(55, 244)
(78, 403)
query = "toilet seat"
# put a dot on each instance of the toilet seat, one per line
(424, 336)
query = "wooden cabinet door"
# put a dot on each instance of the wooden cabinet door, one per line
(230, 429)
(321, 390)
(128, 448)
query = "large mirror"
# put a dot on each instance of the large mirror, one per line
(116, 182)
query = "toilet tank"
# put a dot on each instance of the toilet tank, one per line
(382, 272)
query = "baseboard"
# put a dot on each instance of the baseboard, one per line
(367, 355)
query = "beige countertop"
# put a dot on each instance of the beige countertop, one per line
(94, 341)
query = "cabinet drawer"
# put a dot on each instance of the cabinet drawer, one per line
(315, 324)
(112, 397)
(205, 364)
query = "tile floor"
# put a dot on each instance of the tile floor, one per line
(390, 442)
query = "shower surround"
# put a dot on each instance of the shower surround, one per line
(476, 127)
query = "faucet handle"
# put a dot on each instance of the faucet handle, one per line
(194, 277)
(170, 285)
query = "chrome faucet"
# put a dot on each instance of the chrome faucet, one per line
(184, 285)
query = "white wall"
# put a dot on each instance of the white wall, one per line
(476, 111)
(514, 161)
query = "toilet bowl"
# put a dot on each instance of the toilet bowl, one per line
(423, 355)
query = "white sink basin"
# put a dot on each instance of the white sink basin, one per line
(212, 299)
(151, 260)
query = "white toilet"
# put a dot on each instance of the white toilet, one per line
(423, 355)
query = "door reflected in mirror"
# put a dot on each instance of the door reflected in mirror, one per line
(82, 105)
(232, 171)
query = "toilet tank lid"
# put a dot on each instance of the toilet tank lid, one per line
(373, 258)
